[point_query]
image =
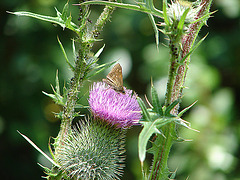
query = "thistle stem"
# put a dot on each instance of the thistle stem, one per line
(177, 75)
(81, 69)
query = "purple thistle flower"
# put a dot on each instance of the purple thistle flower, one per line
(114, 107)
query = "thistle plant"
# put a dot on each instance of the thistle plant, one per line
(94, 148)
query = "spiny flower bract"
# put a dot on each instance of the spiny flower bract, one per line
(176, 9)
(116, 108)
(93, 150)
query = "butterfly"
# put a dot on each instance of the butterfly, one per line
(115, 78)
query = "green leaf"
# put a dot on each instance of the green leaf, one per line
(182, 19)
(205, 17)
(57, 84)
(65, 12)
(145, 113)
(80, 106)
(55, 20)
(65, 55)
(165, 16)
(46, 169)
(155, 101)
(184, 123)
(163, 121)
(56, 96)
(148, 130)
(73, 47)
(101, 68)
(38, 149)
(171, 106)
(155, 29)
(99, 51)
(50, 95)
(186, 109)
(138, 7)
(173, 175)
(192, 49)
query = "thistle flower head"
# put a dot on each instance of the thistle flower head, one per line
(121, 110)
(176, 9)
(92, 150)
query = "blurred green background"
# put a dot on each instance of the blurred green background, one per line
(30, 56)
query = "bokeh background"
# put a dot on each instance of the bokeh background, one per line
(30, 56)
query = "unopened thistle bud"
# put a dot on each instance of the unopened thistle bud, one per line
(92, 150)
(176, 9)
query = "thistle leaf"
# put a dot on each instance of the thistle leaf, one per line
(182, 19)
(65, 12)
(99, 51)
(145, 113)
(101, 68)
(155, 101)
(61, 19)
(171, 106)
(65, 55)
(186, 109)
(148, 130)
(165, 16)
(192, 49)
(155, 29)
(138, 7)
(57, 84)
(38, 149)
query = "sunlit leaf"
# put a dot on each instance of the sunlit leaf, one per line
(155, 101)
(38, 149)
(145, 113)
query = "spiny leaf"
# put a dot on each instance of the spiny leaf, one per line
(73, 47)
(182, 19)
(101, 68)
(171, 106)
(99, 51)
(65, 12)
(148, 130)
(57, 84)
(173, 175)
(50, 95)
(38, 149)
(145, 113)
(56, 96)
(80, 106)
(204, 17)
(192, 49)
(163, 121)
(65, 55)
(138, 7)
(55, 20)
(155, 29)
(155, 100)
(165, 16)
(185, 124)
(186, 109)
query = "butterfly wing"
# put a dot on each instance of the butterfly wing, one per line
(115, 79)
(115, 75)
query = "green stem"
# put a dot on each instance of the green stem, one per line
(187, 43)
(81, 70)
(160, 168)
(177, 75)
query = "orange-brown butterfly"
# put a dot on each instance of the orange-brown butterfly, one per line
(115, 78)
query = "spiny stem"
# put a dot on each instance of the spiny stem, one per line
(80, 70)
(174, 90)
(187, 43)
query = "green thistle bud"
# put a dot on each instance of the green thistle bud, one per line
(178, 7)
(93, 150)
